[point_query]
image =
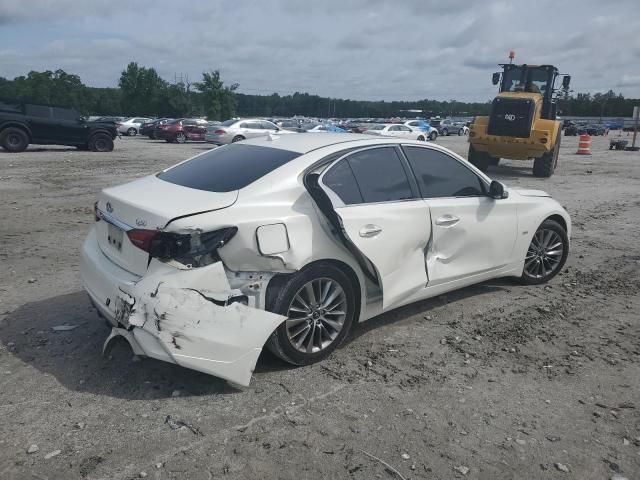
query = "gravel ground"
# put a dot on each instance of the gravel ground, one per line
(493, 381)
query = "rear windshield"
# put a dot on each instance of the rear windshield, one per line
(228, 168)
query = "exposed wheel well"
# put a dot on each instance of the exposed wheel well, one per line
(559, 219)
(279, 279)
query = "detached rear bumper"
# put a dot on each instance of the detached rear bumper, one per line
(188, 317)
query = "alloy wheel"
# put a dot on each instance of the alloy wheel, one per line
(544, 255)
(316, 315)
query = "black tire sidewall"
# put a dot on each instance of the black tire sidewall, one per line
(14, 131)
(280, 305)
(237, 138)
(101, 137)
(556, 227)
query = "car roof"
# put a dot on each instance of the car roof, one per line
(303, 143)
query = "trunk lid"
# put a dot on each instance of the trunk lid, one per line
(150, 204)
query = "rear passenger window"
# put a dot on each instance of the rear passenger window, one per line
(340, 179)
(380, 175)
(37, 111)
(440, 175)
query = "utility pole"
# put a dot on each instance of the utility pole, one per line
(636, 114)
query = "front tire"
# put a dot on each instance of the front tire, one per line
(101, 142)
(421, 138)
(445, 132)
(544, 166)
(461, 132)
(14, 139)
(319, 303)
(132, 132)
(433, 136)
(546, 255)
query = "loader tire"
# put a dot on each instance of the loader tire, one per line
(544, 166)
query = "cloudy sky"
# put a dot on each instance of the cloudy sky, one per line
(360, 49)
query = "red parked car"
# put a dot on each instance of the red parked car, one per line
(181, 130)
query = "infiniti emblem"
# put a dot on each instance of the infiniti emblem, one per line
(109, 207)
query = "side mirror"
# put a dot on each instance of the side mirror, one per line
(497, 191)
(566, 80)
(496, 78)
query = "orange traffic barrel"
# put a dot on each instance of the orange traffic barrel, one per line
(584, 145)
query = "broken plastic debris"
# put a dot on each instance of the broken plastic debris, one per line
(178, 424)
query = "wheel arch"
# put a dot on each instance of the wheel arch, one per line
(93, 133)
(279, 279)
(559, 219)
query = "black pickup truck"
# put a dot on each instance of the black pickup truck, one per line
(24, 123)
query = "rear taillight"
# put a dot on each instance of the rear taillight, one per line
(96, 215)
(142, 238)
(220, 132)
(196, 249)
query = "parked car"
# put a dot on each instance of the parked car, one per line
(148, 128)
(396, 130)
(570, 128)
(131, 126)
(109, 119)
(614, 125)
(22, 124)
(291, 125)
(288, 242)
(591, 129)
(235, 130)
(181, 130)
(448, 127)
(421, 125)
(325, 128)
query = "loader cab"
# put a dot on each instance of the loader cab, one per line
(528, 79)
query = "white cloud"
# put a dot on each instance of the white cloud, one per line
(362, 49)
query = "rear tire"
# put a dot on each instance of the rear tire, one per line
(461, 132)
(284, 301)
(181, 137)
(14, 139)
(101, 142)
(421, 138)
(237, 138)
(544, 166)
(445, 132)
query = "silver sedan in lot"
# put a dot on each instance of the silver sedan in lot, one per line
(236, 130)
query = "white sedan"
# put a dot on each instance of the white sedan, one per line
(286, 242)
(397, 130)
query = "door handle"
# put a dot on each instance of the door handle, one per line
(447, 221)
(370, 230)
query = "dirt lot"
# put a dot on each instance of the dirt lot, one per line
(503, 380)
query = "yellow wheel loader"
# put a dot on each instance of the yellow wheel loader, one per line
(522, 124)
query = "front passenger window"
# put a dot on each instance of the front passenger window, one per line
(440, 175)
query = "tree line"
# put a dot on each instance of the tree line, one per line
(142, 92)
